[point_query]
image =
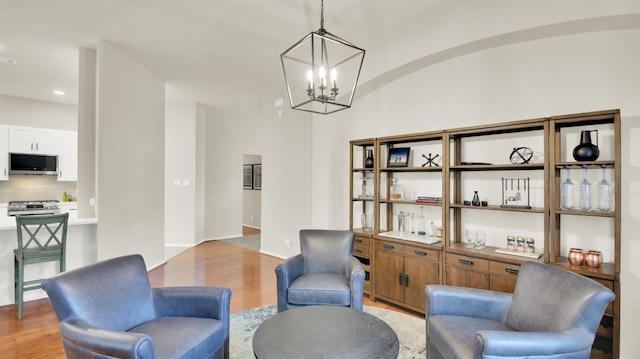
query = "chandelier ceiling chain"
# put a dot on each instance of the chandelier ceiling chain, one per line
(318, 91)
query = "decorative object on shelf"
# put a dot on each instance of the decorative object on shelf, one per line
(469, 236)
(520, 244)
(603, 194)
(593, 259)
(367, 222)
(585, 192)
(576, 256)
(515, 193)
(480, 239)
(521, 155)
(421, 223)
(484, 203)
(367, 187)
(401, 222)
(530, 245)
(511, 243)
(368, 161)
(431, 229)
(430, 160)
(429, 199)
(466, 203)
(586, 151)
(476, 199)
(396, 192)
(309, 61)
(398, 157)
(568, 193)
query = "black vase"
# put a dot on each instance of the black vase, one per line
(368, 162)
(586, 151)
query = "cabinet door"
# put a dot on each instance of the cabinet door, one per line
(389, 275)
(68, 156)
(419, 273)
(46, 141)
(4, 152)
(21, 139)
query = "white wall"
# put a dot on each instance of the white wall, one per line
(180, 177)
(86, 123)
(130, 157)
(552, 75)
(34, 113)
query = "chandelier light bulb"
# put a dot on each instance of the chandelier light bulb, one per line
(334, 78)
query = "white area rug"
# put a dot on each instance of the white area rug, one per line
(410, 331)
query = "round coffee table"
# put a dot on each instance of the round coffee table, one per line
(324, 332)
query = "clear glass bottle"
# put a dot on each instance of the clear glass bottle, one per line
(585, 192)
(567, 193)
(402, 219)
(421, 223)
(432, 229)
(396, 191)
(603, 194)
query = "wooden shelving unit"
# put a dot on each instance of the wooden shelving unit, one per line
(449, 262)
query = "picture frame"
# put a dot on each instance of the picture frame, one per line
(247, 176)
(398, 157)
(257, 177)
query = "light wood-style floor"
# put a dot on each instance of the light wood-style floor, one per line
(249, 274)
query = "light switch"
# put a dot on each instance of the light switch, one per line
(186, 182)
(177, 182)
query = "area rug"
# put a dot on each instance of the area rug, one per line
(410, 331)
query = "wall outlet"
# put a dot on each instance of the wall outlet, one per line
(287, 243)
(92, 201)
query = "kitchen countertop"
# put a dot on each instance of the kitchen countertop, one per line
(9, 222)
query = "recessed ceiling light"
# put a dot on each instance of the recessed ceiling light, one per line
(58, 92)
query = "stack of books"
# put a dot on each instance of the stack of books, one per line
(426, 199)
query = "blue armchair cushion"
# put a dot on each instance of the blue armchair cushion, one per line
(180, 337)
(320, 289)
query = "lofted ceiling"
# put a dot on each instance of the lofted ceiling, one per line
(226, 52)
(213, 52)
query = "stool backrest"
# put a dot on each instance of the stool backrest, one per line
(42, 233)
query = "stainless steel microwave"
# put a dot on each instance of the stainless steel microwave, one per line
(29, 164)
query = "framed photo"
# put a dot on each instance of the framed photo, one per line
(257, 176)
(398, 157)
(247, 177)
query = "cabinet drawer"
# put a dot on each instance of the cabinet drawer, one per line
(467, 262)
(362, 241)
(390, 246)
(361, 251)
(422, 253)
(504, 269)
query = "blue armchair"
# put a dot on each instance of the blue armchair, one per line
(109, 310)
(552, 313)
(324, 273)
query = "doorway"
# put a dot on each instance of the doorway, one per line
(252, 195)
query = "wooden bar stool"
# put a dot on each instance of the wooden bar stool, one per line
(40, 239)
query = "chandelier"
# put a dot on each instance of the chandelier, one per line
(321, 71)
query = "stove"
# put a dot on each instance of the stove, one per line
(33, 207)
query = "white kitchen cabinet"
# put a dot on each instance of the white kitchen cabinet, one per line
(4, 152)
(33, 140)
(68, 156)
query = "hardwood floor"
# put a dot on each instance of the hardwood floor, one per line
(249, 274)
